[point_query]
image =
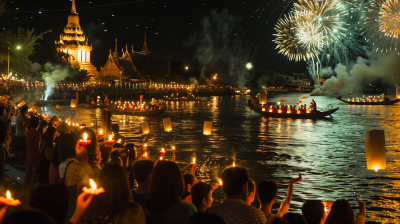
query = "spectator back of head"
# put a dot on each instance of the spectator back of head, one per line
(234, 178)
(115, 128)
(28, 215)
(267, 191)
(199, 191)
(205, 217)
(142, 170)
(52, 199)
(313, 211)
(66, 145)
(34, 122)
(293, 218)
(341, 212)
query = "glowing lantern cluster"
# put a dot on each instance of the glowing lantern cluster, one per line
(145, 128)
(73, 103)
(167, 124)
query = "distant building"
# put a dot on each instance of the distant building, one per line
(75, 43)
(298, 81)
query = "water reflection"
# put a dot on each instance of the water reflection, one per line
(329, 153)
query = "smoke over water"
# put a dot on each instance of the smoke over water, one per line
(221, 46)
(379, 67)
(55, 73)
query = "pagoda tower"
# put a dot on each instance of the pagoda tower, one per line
(75, 43)
(145, 50)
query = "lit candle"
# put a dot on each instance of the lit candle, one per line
(162, 152)
(233, 165)
(173, 148)
(93, 188)
(110, 140)
(9, 200)
(220, 182)
(194, 162)
(161, 158)
(84, 141)
(145, 155)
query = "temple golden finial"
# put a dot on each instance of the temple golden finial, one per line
(73, 9)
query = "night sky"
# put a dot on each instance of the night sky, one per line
(169, 25)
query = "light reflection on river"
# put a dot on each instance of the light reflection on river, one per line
(329, 153)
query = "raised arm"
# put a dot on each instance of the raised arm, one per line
(284, 208)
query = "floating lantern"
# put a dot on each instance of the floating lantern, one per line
(57, 107)
(207, 128)
(73, 103)
(270, 110)
(375, 151)
(263, 109)
(398, 92)
(289, 111)
(348, 99)
(308, 111)
(167, 124)
(110, 141)
(145, 128)
(84, 141)
(298, 112)
(162, 152)
(262, 98)
(93, 188)
(280, 111)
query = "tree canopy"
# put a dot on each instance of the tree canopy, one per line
(268, 78)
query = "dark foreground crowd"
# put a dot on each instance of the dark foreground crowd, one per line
(136, 190)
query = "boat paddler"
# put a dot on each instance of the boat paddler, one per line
(314, 105)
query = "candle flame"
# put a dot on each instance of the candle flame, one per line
(220, 182)
(101, 132)
(69, 123)
(84, 136)
(173, 147)
(110, 138)
(92, 184)
(233, 164)
(145, 154)
(145, 145)
(8, 195)
(161, 158)
(162, 149)
(119, 140)
(194, 160)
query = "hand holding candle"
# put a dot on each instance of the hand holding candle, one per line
(162, 152)
(9, 200)
(84, 142)
(93, 189)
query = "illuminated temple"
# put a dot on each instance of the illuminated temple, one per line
(75, 43)
(125, 68)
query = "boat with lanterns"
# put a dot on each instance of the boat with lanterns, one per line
(369, 101)
(309, 114)
(144, 113)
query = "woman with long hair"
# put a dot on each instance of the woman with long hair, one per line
(341, 212)
(116, 205)
(46, 153)
(163, 203)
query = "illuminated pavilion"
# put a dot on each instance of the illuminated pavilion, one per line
(75, 43)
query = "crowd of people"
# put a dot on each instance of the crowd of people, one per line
(136, 189)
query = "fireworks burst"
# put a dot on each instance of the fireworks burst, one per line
(249, 66)
(289, 44)
(383, 21)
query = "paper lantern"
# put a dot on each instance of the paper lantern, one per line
(279, 111)
(375, 151)
(145, 128)
(263, 109)
(73, 103)
(289, 111)
(398, 92)
(207, 128)
(262, 98)
(298, 112)
(308, 111)
(167, 124)
(271, 110)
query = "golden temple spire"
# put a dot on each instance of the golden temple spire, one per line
(145, 50)
(73, 9)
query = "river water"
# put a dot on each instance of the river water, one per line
(329, 153)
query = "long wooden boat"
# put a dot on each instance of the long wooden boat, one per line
(390, 102)
(312, 115)
(183, 99)
(137, 113)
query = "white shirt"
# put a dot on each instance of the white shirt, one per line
(20, 132)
